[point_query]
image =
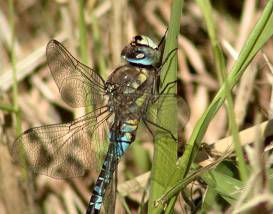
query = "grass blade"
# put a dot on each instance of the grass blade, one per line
(221, 71)
(165, 154)
(258, 37)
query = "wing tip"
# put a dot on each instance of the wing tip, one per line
(51, 42)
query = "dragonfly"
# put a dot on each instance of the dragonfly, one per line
(128, 96)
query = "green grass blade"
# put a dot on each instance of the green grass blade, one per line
(221, 71)
(17, 117)
(182, 183)
(7, 108)
(258, 37)
(83, 34)
(224, 185)
(98, 46)
(165, 154)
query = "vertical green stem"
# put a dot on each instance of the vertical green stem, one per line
(83, 40)
(97, 40)
(83, 34)
(17, 118)
(257, 38)
(221, 71)
(165, 154)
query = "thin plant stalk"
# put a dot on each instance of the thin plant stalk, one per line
(83, 34)
(17, 118)
(221, 71)
(7, 108)
(83, 40)
(165, 153)
(260, 34)
(98, 46)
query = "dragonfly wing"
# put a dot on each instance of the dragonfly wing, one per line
(64, 150)
(162, 104)
(78, 84)
(109, 203)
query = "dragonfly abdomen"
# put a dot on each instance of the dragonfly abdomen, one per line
(124, 136)
(120, 141)
(105, 176)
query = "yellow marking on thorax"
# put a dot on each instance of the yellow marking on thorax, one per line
(140, 101)
(134, 85)
(140, 79)
(128, 135)
(132, 122)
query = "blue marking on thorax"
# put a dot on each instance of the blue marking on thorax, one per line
(127, 128)
(124, 138)
(121, 148)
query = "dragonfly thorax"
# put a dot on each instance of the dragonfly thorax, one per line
(126, 85)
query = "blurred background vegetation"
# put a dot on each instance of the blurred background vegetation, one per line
(95, 33)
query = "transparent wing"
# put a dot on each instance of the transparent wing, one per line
(110, 195)
(65, 150)
(163, 104)
(78, 84)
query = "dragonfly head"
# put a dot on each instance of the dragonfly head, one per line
(142, 51)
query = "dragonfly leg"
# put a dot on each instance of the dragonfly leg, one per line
(167, 57)
(148, 127)
(164, 62)
(167, 85)
(162, 128)
(162, 39)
